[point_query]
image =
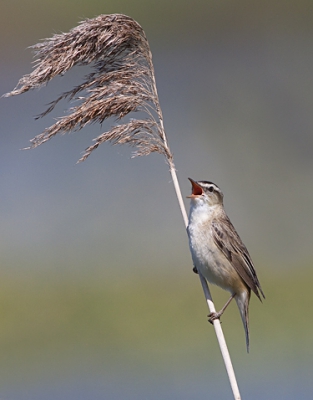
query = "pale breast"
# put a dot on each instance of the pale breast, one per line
(209, 260)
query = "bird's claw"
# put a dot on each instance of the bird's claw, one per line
(213, 316)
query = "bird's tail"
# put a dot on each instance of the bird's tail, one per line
(243, 305)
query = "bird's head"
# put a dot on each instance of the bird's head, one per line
(206, 192)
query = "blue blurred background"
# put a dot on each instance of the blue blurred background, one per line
(97, 296)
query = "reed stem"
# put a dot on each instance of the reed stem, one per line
(207, 294)
(122, 82)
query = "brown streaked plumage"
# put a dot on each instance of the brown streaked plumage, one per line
(217, 250)
(229, 242)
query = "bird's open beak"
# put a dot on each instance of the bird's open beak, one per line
(196, 190)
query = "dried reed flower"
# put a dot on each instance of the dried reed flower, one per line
(122, 81)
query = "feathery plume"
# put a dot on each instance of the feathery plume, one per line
(122, 81)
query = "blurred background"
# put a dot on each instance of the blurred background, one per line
(97, 295)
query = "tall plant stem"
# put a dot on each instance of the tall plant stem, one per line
(122, 81)
(208, 297)
(207, 294)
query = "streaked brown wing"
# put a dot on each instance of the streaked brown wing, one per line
(229, 242)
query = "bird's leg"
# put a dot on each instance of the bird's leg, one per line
(217, 315)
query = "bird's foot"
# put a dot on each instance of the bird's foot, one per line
(195, 270)
(213, 316)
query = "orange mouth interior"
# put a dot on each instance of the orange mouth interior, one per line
(196, 189)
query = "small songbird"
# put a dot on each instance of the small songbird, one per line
(217, 251)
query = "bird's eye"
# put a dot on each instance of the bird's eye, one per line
(211, 188)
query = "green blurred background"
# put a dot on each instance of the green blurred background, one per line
(97, 296)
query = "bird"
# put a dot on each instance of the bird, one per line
(217, 251)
